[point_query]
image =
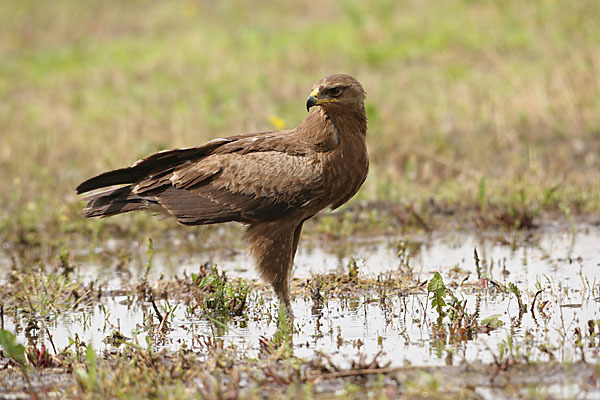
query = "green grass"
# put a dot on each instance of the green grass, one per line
(459, 91)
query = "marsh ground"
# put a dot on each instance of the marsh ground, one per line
(518, 317)
(483, 134)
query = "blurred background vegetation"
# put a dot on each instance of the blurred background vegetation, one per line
(471, 104)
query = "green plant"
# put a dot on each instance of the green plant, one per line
(515, 290)
(16, 352)
(42, 293)
(150, 257)
(437, 290)
(477, 260)
(88, 377)
(222, 299)
(352, 267)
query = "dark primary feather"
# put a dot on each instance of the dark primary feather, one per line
(162, 160)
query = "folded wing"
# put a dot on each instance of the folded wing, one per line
(248, 178)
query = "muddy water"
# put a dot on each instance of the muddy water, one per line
(563, 264)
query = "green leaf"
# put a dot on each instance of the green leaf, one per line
(13, 349)
(515, 290)
(89, 378)
(208, 281)
(438, 291)
(493, 321)
(90, 356)
(436, 284)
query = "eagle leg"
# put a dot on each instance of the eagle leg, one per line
(273, 245)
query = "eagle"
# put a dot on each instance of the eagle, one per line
(270, 181)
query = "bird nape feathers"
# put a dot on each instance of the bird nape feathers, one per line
(271, 181)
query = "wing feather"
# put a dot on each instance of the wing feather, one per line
(243, 187)
(154, 164)
(245, 178)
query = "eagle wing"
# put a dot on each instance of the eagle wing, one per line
(246, 178)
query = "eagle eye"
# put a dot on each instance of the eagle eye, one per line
(335, 91)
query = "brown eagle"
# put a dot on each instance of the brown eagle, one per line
(271, 181)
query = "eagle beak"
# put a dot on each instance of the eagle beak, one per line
(312, 99)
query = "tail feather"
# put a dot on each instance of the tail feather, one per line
(115, 201)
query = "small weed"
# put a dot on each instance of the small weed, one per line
(437, 290)
(352, 268)
(16, 352)
(515, 290)
(492, 321)
(42, 293)
(477, 266)
(316, 295)
(462, 325)
(509, 353)
(404, 258)
(39, 357)
(88, 377)
(283, 337)
(150, 256)
(222, 299)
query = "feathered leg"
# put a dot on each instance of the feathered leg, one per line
(273, 245)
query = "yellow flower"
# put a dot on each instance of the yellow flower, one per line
(277, 122)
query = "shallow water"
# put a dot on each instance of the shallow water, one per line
(565, 264)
